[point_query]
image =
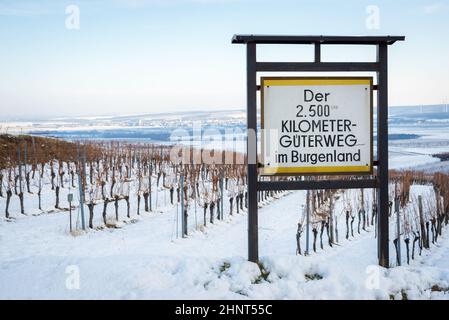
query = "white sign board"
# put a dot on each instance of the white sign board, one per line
(316, 125)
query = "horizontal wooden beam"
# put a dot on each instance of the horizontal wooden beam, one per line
(314, 67)
(293, 39)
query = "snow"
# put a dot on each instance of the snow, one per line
(145, 260)
(145, 257)
(410, 161)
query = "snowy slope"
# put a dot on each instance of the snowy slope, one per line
(144, 260)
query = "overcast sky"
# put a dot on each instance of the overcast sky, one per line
(131, 56)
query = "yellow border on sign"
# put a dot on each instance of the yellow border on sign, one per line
(316, 169)
(304, 81)
(314, 82)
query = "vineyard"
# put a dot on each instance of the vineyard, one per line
(97, 188)
(105, 177)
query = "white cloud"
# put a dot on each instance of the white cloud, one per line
(140, 3)
(17, 12)
(24, 8)
(435, 8)
(27, 8)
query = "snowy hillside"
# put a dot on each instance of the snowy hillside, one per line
(416, 132)
(129, 252)
(145, 260)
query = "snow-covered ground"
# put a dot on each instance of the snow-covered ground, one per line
(145, 260)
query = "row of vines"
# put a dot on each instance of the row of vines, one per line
(417, 217)
(112, 174)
